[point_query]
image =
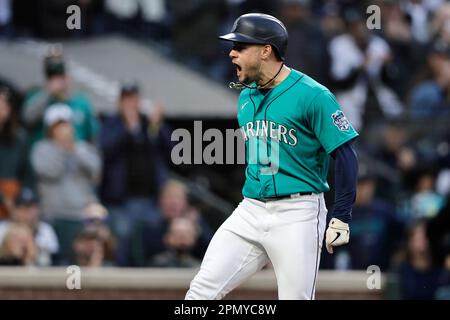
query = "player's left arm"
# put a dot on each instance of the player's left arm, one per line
(346, 172)
(335, 134)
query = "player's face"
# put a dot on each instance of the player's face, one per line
(246, 58)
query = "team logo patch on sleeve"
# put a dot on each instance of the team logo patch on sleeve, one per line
(340, 121)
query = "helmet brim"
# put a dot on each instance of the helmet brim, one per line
(239, 37)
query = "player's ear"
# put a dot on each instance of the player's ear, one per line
(266, 51)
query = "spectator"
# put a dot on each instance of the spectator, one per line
(95, 245)
(425, 201)
(179, 240)
(419, 13)
(173, 203)
(407, 54)
(95, 219)
(331, 22)
(193, 20)
(58, 90)
(15, 169)
(68, 172)
(142, 18)
(394, 149)
(418, 278)
(122, 16)
(18, 247)
(89, 249)
(26, 212)
(133, 144)
(357, 62)
(305, 51)
(438, 233)
(440, 25)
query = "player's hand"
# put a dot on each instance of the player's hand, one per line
(338, 233)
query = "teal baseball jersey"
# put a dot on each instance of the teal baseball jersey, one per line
(289, 132)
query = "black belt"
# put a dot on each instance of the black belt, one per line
(288, 196)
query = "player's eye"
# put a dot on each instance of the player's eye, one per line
(239, 47)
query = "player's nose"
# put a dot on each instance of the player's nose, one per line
(233, 54)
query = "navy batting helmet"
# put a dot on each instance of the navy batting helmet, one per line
(259, 28)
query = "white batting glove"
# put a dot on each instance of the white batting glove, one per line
(338, 233)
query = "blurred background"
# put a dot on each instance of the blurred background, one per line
(86, 118)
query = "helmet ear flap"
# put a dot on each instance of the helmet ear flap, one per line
(277, 53)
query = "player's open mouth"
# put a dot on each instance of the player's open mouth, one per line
(238, 68)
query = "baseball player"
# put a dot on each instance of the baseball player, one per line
(282, 217)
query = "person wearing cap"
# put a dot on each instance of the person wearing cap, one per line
(68, 172)
(58, 89)
(27, 212)
(95, 245)
(133, 142)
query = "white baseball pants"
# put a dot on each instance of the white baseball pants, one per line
(289, 232)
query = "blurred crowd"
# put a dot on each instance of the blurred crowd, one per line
(96, 190)
(81, 188)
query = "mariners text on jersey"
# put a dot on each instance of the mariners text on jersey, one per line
(265, 129)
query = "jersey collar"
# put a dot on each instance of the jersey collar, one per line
(289, 80)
